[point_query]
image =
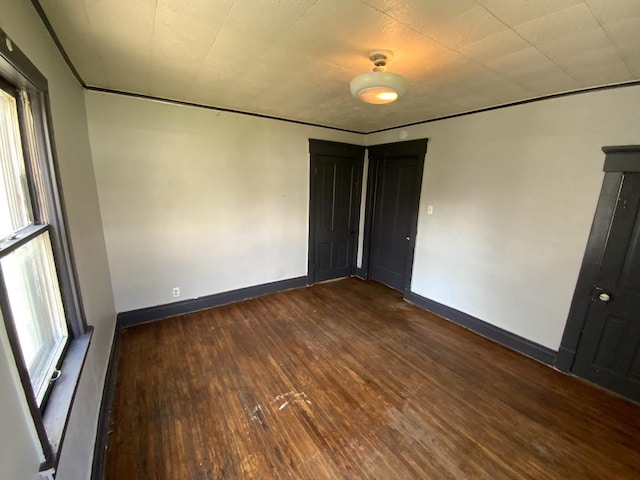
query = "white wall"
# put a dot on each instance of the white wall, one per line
(514, 192)
(211, 201)
(20, 454)
(198, 199)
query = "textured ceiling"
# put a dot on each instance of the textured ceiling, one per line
(294, 59)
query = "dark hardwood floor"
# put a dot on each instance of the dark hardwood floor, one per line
(346, 380)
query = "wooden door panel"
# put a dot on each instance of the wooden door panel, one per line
(323, 259)
(324, 195)
(630, 276)
(397, 195)
(342, 257)
(608, 350)
(335, 206)
(614, 331)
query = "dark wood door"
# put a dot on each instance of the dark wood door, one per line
(336, 187)
(398, 172)
(609, 348)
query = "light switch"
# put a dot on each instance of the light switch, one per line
(429, 209)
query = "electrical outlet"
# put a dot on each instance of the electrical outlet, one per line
(176, 292)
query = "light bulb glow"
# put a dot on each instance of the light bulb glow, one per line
(387, 96)
(378, 95)
(378, 87)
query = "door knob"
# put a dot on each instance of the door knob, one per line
(408, 238)
(600, 294)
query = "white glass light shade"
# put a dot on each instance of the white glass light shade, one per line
(379, 87)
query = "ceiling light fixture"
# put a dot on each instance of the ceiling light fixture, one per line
(379, 87)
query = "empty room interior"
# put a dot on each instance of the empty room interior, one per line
(320, 239)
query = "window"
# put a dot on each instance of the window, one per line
(39, 301)
(29, 273)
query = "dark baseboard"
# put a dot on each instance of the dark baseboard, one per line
(361, 273)
(104, 416)
(150, 314)
(497, 334)
(564, 360)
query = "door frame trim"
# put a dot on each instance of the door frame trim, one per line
(618, 160)
(411, 147)
(326, 147)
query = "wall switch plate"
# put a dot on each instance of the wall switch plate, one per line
(429, 209)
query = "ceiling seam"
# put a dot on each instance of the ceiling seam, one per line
(152, 49)
(458, 52)
(153, 46)
(56, 40)
(206, 55)
(283, 32)
(532, 44)
(96, 44)
(614, 43)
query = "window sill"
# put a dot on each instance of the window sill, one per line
(58, 409)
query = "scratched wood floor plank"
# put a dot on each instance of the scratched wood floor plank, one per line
(345, 380)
